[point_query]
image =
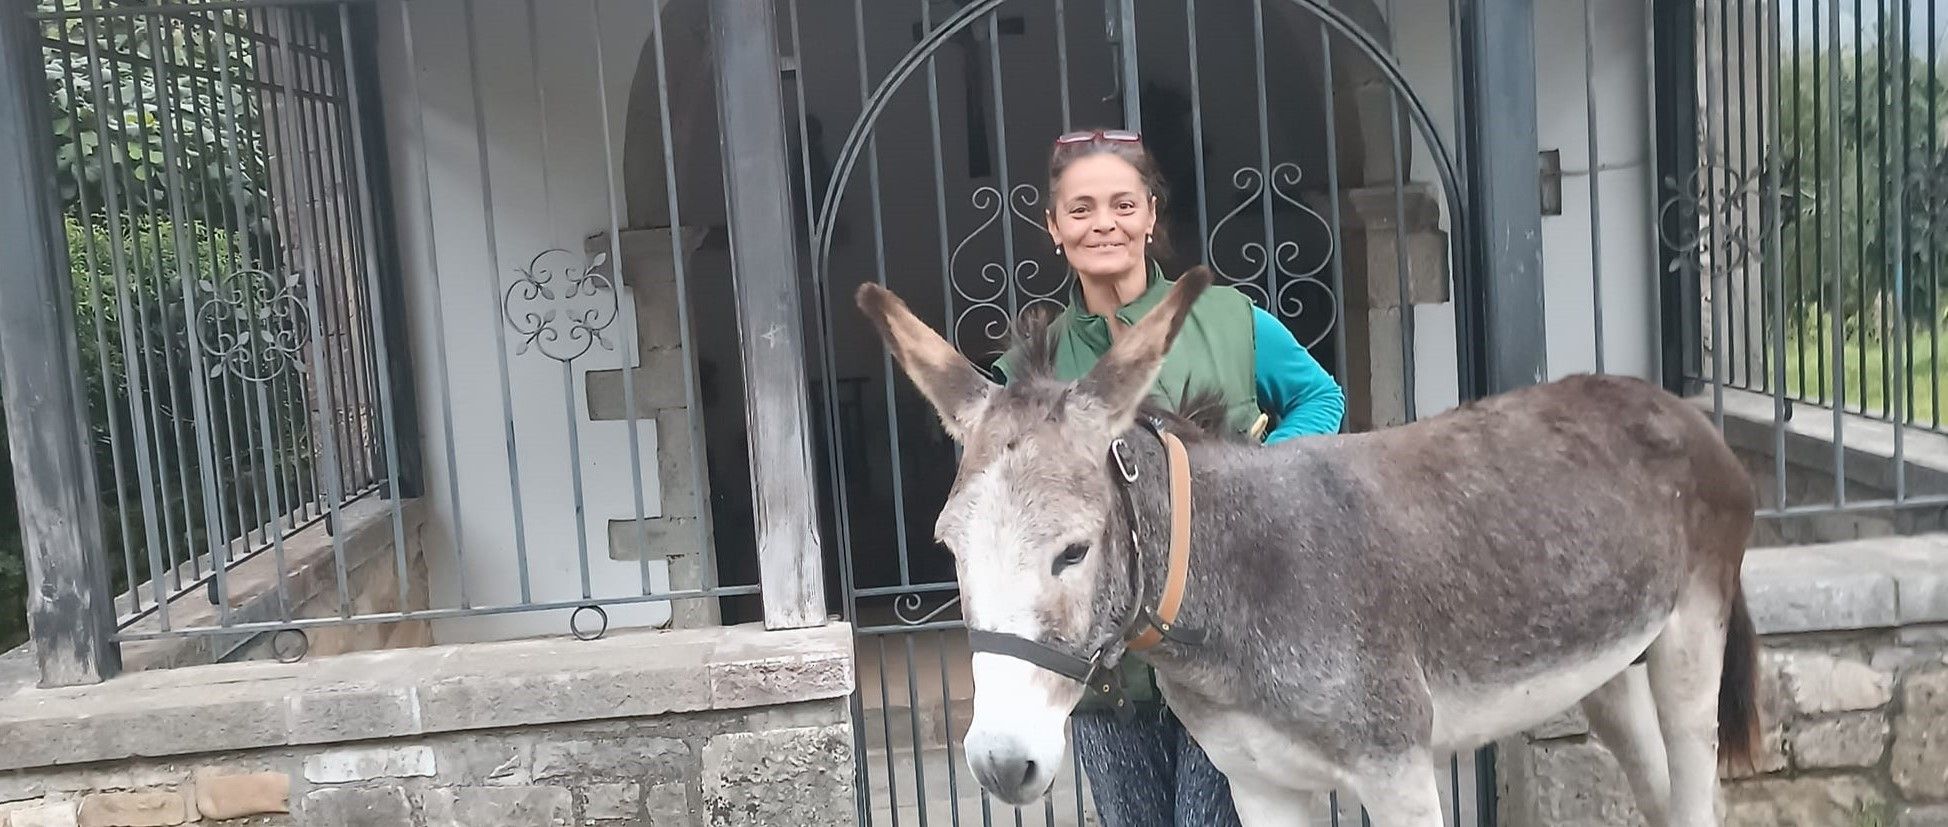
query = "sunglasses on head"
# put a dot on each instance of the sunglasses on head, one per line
(1085, 136)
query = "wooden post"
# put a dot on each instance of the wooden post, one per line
(70, 613)
(764, 261)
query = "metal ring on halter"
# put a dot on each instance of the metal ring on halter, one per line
(575, 628)
(279, 652)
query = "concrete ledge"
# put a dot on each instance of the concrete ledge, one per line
(1862, 584)
(418, 691)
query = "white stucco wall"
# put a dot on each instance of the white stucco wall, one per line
(1619, 66)
(540, 199)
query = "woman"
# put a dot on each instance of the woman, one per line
(1104, 196)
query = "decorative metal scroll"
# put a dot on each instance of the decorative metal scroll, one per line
(1723, 216)
(561, 306)
(1284, 294)
(909, 603)
(997, 285)
(253, 325)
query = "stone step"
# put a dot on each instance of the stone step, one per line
(937, 725)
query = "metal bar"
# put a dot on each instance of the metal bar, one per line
(1403, 278)
(1774, 266)
(1503, 182)
(1675, 134)
(1838, 302)
(886, 730)
(85, 216)
(1596, 191)
(1265, 197)
(395, 389)
(1933, 68)
(1799, 236)
(184, 8)
(494, 298)
(692, 388)
(70, 609)
(352, 387)
(947, 735)
(1820, 94)
(1130, 68)
(633, 415)
(186, 258)
(1717, 155)
(133, 377)
(159, 418)
(416, 104)
(940, 172)
(1896, 206)
(1197, 129)
(897, 469)
(233, 162)
(1001, 174)
(913, 730)
(1860, 198)
(765, 265)
(1330, 104)
(1062, 77)
(435, 614)
(224, 251)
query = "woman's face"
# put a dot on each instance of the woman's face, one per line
(1102, 216)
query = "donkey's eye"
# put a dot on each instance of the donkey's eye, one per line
(1070, 556)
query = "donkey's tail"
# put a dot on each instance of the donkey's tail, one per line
(1738, 690)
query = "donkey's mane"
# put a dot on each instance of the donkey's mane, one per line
(1195, 415)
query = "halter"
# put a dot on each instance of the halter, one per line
(1146, 626)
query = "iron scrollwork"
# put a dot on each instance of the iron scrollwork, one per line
(906, 604)
(1282, 296)
(254, 326)
(561, 306)
(999, 282)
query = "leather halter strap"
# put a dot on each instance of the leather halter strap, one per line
(1177, 571)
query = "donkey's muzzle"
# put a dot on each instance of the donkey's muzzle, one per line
(1007, 770)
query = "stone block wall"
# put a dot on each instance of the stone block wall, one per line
(706, 728)
(785, 765)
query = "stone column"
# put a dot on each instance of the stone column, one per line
(1376, 389)
(679, 534)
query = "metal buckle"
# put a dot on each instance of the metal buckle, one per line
(1125, 464)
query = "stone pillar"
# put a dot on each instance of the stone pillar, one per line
(1376, 389)
(679, 533)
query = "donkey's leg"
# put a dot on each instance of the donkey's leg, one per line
(1623, 715)
(1685, 662)
(1403, 791)
(1262, 805)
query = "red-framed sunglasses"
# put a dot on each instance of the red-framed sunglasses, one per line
(1118, 135)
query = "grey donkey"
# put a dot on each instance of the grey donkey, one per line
(1366, 602)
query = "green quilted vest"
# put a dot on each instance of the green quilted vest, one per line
(1215, 350)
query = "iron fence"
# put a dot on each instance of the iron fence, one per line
(1802, 146)
(264, 229)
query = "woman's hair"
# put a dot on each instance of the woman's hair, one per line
(1133, 152)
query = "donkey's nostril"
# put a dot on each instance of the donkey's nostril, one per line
(1027, 773)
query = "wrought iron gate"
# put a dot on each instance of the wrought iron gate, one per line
(1298, 193)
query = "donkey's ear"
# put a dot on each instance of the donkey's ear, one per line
(1121, 379)
(958, 391)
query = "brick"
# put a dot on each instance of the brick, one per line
(236, 796)
(137, 809)
(669, 805)
(1855, 739)
(499, 806)
(60, 814)
(343, 807)
(615, 757)
(343, 766)
(800, 776)
(1818, 683)
(612, 801)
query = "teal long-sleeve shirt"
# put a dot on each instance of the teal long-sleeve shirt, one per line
(1293, 388)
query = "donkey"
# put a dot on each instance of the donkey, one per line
(1355, 605)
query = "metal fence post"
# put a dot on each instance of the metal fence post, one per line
(1674, 70)
(1504, 187)
(764, 266)
(70, 612)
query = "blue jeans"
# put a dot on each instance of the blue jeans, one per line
(1147, 772)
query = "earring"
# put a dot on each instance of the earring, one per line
(1058, 249)
(1150, 239)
